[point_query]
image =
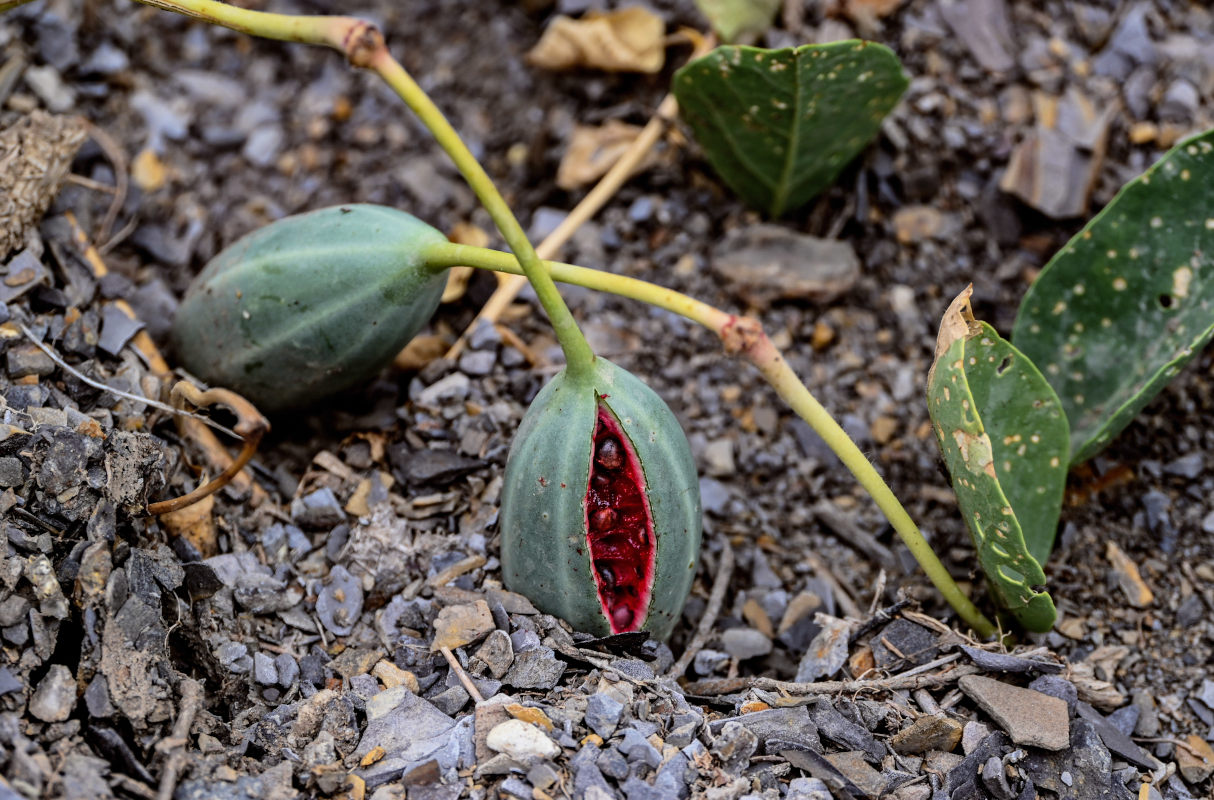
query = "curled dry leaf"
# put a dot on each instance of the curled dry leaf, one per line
(594, 150)
(196, 524)
(627, 40)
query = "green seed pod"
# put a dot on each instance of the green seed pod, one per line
(309, 305)
(600, 518)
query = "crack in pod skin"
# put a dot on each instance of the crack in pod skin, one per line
(551, 550)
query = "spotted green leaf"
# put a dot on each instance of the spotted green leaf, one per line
(1005, 442)
(733, 19)
(1128, 301)
(779, 125)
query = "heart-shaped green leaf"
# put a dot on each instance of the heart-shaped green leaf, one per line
(1005, 442)
(779, 125)
(1128, 301)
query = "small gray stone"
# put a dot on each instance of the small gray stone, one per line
(734, 746)
(12, 474)
(995, 779)
(836, 728)
(612, 764)
(827, 653)
(744, 643)
(318, 510)
(477, 363)
(535, 669)
(117, 328)
(55, 696)
(718, 458)
(714, 496)
(1188, 466)
(638, 749)
(634, 668)
(708, 661)
(287, 668)
(778, 729)
(497, 653)
(451, 700)
(916, 644)
(340, 601)
(234, 656)
(264, 144)
(984, 27)
(603, 713)
(765, 262)
(484, 336)
(807, 789)
(264, 670)
(25, 360)
(973, 735)
(1124, 719)
(452, 389)
(51, 89)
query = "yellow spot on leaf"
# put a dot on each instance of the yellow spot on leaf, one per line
(1181, 278)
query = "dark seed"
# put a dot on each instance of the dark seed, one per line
(600, 482)
(610, 454)
(606, 573)
(602, 519)
(622, 617)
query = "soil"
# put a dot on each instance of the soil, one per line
(380, 505)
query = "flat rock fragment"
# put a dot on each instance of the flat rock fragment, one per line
(1083, 771)
(1030, 718)
(459, 625)
(983, 27)
(1196, 760)
(1118, 742)
(767, 262)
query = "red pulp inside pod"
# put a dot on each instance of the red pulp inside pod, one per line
(619, 527)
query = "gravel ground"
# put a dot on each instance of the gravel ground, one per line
(275, 643)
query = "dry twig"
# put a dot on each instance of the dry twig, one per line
(175, 745)
(460, 673)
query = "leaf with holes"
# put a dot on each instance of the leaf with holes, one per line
(1128, 301)
(1005, 441)
(779, 125)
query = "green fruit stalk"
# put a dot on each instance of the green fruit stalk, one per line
(309, 305)
(600, 519)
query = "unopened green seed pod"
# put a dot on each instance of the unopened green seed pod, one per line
(600, 519)
(309, 305)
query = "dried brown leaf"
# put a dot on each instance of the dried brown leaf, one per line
(628, 40)
(196, 523)
(594, 150)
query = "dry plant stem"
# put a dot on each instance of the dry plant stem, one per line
(744, 336)
(910, 679)
(460, 673)
(190, 427)
(191, 702)
(704, 629)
